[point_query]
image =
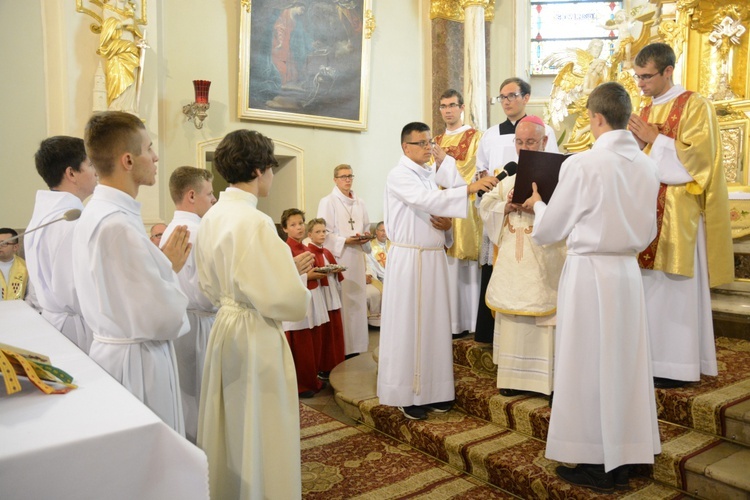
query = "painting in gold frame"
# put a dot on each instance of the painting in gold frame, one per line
(305, 62)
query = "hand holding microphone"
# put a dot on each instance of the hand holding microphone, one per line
(508, 171)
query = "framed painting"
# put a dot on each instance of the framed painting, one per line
(305, 62)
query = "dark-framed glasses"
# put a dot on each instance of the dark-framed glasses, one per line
(509, 97)
(647, 77)
(422, 144)
(346, 177)
(452, 105)
(529, 143)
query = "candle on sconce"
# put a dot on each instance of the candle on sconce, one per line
(201, 91)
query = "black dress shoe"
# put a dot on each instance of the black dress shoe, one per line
(352, 355)
(306, 394)
(668, 383)
(621, 476)
(460, 335)
(509, 393)
(442, 407)
(414, 412)
(589, 476)
(324, 376)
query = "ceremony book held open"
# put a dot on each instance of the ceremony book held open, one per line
(540, 167)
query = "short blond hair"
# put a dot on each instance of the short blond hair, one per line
(341, 167)
(183, 179)
(315, 222)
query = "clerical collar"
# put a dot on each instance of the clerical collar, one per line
(669, 94)
(514, 123)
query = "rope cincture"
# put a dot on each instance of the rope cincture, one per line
(417, 384)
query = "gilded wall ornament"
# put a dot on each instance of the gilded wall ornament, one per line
(453, 10)
(122, 46)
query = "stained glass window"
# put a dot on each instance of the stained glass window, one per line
(558, 25)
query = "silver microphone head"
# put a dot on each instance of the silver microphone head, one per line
(72, 214)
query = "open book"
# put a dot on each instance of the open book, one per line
(540, 167)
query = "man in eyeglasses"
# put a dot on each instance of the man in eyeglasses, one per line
(156, 233)
(415, 369)
(496, 149)
(523, 287)
(692, 250)
(461, 142)
(348, 240)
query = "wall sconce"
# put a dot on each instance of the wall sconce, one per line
(198, 111)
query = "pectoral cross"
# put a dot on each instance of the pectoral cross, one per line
(351, 222)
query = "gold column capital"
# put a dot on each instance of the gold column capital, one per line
(453, 10)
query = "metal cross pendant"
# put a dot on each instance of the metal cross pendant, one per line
(351, 222)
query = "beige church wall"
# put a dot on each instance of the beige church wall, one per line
(24, 123)
(50, 52)
(200, 41)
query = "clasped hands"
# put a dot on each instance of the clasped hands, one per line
(643, 131)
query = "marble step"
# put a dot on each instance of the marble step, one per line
(715, 405)
(691, 461)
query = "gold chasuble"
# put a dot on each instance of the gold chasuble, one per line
(691, 121)
(467, 233)
(18, 276)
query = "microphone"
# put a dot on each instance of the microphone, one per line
(70, 215)
(508, 171)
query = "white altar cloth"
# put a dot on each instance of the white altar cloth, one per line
(97, 441)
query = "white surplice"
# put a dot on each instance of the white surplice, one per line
(131, 299)
(49, 262)
(191, 347)
(415, 366)
(337, 210)
(604, 411)
(248, 422)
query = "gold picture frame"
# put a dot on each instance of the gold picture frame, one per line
(305, 62)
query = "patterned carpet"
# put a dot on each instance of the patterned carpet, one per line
(505, 458)
(701, 406)
(340, 461)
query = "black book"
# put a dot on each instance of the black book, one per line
(541, 167)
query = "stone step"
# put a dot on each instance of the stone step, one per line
(715, 405)
(475, 438)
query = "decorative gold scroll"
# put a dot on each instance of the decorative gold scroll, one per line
(453, 10)
(127, 11)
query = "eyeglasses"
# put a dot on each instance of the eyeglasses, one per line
(156, 236)
(8, 243)
(449, 106)
(510, 97)
(529, 143)
(346, 177)
(422, 144)
(645, 78)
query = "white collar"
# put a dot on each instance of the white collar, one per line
(459, 130)
(669, 94)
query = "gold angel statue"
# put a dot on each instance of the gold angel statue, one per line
(583, 70)
(121, 59)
